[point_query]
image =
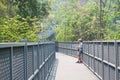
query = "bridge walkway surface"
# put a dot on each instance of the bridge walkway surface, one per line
(66, 68)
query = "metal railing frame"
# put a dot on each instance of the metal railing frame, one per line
(43, 53)
(101, 57)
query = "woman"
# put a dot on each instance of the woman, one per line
(80, 50)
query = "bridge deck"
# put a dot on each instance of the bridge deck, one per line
(67, 69)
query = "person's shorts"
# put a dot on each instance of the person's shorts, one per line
(81, 50)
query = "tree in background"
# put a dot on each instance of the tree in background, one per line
(15, 30)
(27, 25)
(24, 8)
(84, 20)
(80, 20)
(33, 8)
(112, 19)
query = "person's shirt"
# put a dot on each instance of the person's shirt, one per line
(80, 45)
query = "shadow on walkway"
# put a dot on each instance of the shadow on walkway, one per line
(53, 71)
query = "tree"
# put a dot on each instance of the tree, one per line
(27, 24)
(3, 9)
(80, 20)
(14, 30)
(33, 8)
(88, 21)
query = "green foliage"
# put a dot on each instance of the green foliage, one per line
(9, 8)
(26, 26)
(33, 8)
(25, 8)
(64, 33)
(111, 21)
(3, 9)
(80, 20)
(14, 30)
(84, 21)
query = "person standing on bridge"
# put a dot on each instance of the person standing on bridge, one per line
(80, 50)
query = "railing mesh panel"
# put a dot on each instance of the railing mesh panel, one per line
(30, 61)
(5, 64)
(18, 63)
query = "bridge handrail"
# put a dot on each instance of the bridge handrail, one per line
(3, 45)
(26, 60)
(101, 57)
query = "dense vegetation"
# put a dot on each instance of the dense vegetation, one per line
(88, 21)
(21, 19)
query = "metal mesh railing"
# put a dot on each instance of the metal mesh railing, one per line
(18, 63)
(101, 57)
(26, 61)
(105, 59)
(68, 48)
(5, 64)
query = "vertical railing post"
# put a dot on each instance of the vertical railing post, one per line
(116, 59)
(71, 49)
(33, 59)
(43, 52)
(88, 56)
(94, 55)
(97, 55)
(84, 48)
(102, 60)
(25, 60)
(44, 61)
(38, 64)
(108, 61)
(56, 46)
(11, 63)
(83, 53)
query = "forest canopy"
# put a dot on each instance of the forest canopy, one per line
(87, 19)
(83, 20)
(21, 19)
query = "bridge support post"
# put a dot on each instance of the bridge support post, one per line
(116, 59)
(38, 60)
(94, 55)
(108, 60)
(88, 56)
(102, 60)
(25, 60)
(11, 63)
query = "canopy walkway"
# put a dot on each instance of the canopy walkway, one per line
(39, 61)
